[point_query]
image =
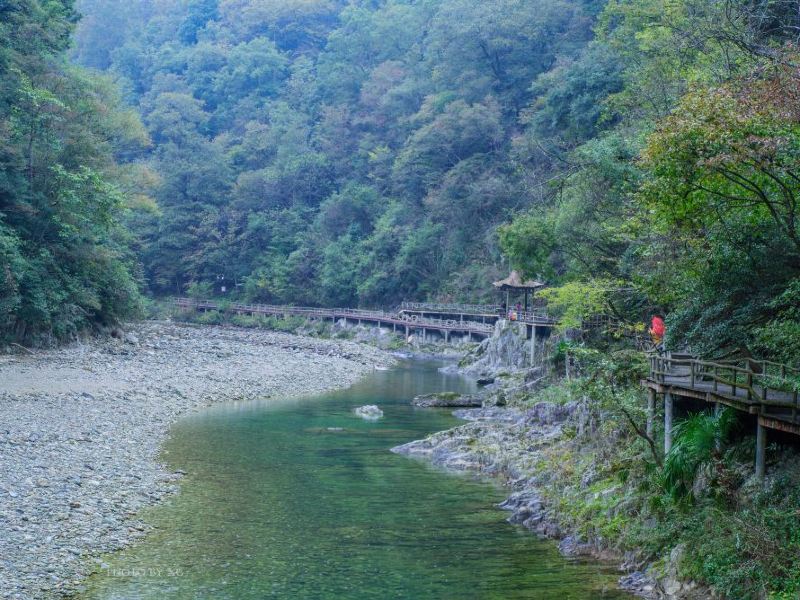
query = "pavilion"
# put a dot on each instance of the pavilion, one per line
(515, 283)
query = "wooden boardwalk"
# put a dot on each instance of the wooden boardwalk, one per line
(762, 388)
(408, 323)
(486, 313)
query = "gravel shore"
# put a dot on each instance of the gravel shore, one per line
(81, 428)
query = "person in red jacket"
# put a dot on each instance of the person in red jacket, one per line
(657, 330)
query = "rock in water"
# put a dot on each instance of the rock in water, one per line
(369, 412)
(447, 399)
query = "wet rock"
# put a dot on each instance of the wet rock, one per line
(496, 398)
(370, 412)
(574, 546)
(549, 413)
(640, 584)
(489, 413)
(447, 399)
(505, 349)
(671, 586)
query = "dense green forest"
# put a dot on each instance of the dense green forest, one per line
(65, 143)
(638, 155)
(328, 152)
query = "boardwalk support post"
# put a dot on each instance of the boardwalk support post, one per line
(651, 411)
(533, 345)
(717, 413)
(761, 450)
(667, 422)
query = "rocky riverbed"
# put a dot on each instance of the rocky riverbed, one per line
(81, 428)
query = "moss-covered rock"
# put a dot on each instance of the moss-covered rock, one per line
(447, 399)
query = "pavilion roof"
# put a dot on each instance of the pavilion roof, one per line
(515, 282)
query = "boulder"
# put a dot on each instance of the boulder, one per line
(447, 400)
(507, 348)
(370, 412)
(549, 413)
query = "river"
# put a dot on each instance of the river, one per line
(301, 499)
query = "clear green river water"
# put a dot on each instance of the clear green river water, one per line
(302, 499)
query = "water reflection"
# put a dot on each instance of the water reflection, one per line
(301, 499)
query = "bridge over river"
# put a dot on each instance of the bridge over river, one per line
(468, 320)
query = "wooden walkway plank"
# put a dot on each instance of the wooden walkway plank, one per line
(745, 385)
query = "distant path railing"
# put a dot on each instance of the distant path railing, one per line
(531, 317)
(475, 309)
(337, 313)
(539, 317)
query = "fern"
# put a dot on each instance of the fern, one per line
(697, 440)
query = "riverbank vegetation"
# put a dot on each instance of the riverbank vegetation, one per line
(68, 146)
(695, 519)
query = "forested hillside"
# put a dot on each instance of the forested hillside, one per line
(682, 198)
(64, 262)
(639, 155)
(359, 153)
(338, 153)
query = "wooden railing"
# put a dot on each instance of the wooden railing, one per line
(471, 309)
(530, 316)
(759, 382)
(277, 309)
(445, 323)
(335, 313)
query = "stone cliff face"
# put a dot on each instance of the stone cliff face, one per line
(506, 350)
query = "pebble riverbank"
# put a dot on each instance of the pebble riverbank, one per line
(81, 428)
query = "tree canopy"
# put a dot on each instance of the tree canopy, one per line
(331, 152)
(328, 152)
(65, 264)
